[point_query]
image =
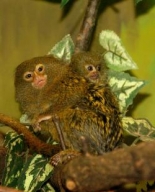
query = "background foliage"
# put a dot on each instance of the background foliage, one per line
(31, 28)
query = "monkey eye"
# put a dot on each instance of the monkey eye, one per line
(40, 68)
(98, 68)
(89, 67)
(28, 76)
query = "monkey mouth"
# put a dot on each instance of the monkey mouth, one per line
(41, 83)
(94, 77)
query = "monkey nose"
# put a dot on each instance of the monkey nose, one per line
(39, 81)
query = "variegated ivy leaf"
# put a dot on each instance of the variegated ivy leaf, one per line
(14, 142)
(116, 56)
(25, 120)
(47, 187)
(125, 88)
(140, 128)
(63, 49)
(13, 167)
(14, 159)
(35, 173)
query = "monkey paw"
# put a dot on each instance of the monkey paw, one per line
(36, 124)
(64, 156)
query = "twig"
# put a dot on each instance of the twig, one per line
(59, 130)
(85, 35)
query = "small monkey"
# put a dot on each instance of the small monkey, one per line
(99, 96)
(31, 78)
(89, 65)
(39, 82)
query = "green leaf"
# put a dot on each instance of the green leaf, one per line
(35, 173)
(64, 2)
(13, 167)
(24, 119)
(143, 186)
(116, 56)
(47, 188)
(14, 159)
(63, 49)
(137, 1)
(140, 128)
(14, 142)
(125, 88)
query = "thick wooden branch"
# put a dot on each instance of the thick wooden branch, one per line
(7, 189)
(33, 142)
(85, 35)
(3, 153)
(96, 173)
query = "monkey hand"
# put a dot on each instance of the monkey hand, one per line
(64, 156)
(36, 121)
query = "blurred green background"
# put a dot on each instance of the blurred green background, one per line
(30, 28)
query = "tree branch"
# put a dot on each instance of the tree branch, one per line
(3, 153)
(85, 35)
(96, 173)
(7, 189)
(32, 141)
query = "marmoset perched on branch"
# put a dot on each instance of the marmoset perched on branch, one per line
(99, 96)
(45, 86)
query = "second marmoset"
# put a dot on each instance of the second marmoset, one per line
(89, 65)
